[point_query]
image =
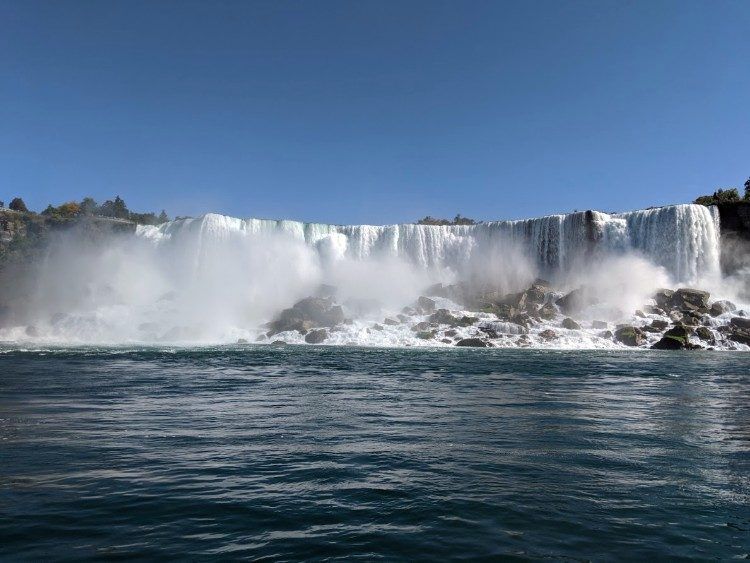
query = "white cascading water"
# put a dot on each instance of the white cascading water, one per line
(221, 279)
(684, 239)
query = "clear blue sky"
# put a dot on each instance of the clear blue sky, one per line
(373, 111)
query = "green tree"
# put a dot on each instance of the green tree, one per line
(116, 209)
(719, 196)
(163, 218)
(17, 204)
(88, 206)
(747, 190)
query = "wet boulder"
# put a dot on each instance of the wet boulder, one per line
(426, 334)
(691, 299)
(630, 335)
(740, 322)
(676, 338)
(419, 327)
(705, 334)
(663, 298)
(306, 314)
(721, 307)
(547, 312)
(575, 301)
(424, 306)
(316, 336)
(472, 343)
(548, 334)
(390, 322)
(570, 324)
(657, 325)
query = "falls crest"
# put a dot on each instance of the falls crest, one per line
(684, 239)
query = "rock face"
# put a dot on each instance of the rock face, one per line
(630, 336)
(316, 336)
(306, 314)
(472, 343)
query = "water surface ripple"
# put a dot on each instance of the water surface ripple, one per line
(285, 453)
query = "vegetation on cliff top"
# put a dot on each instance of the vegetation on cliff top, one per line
(457, 220)
(88, 207)
(730, 195)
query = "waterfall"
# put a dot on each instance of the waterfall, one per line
(684, 239)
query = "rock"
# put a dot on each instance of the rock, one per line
(547, 312)
(676, 338)
(426, 334)
(242, 341)
(639, 313)
(693, 299)
(278, 343)
(490, 332)
(377, 327)
(572, 302)
(403, 318)
(663, 298)
(306, 314)
(705, 334)
(450, 332)
(659, 324)
(740, 335)
(691, 319)
(522, 319)
(675, 316)
(721, 307)
(599, 324)
(316, 336)
(411, 311)
(446, 341)
(669, 343)
(390, 322)
(424, 325)
(630, 335)
(443, 317)
(740, 322)
(570, 324)
(651, 310)
(472, 342)
(548, 334)
(424, 305)
(606, 334)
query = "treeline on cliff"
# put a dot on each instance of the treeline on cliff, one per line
(730, 195)
(88, 207)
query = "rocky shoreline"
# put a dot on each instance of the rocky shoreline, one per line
(458, 315)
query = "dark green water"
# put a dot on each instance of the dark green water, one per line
(324, 453)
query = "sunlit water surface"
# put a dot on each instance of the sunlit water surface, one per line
(323, 452)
